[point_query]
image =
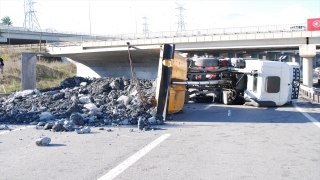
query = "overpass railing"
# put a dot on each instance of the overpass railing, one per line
(218, 31)
(24, 46)
(83, 37)
(200, 32)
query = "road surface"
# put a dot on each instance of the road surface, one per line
(201, 143)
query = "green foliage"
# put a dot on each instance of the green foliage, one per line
(49, 71)
(6, 21)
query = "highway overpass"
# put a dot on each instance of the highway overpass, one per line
(99, 58)
(19, 35)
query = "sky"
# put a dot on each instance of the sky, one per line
(104, 17)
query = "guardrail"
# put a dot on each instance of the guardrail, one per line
(84, 37)
(310, 94)
(52, 31)
(23, 46)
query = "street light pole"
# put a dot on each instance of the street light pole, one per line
(135, 16)
(89, 16)
(8, 34)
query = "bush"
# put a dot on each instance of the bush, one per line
(49, 71)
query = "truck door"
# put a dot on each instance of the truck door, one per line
(285, 84)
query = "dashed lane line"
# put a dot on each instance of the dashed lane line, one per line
(317, 123)
(127, 163)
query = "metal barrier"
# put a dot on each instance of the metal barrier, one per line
(23, 46)
(310, 94)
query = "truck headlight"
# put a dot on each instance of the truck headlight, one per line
(296, 83)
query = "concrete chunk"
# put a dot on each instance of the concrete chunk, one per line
(43, 141)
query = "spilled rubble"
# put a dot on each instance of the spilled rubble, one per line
(81, 102)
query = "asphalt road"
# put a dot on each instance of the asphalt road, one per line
(201, 143)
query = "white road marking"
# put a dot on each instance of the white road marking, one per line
(317, 123)
(209, 106)
(127, 163)
(17, 129)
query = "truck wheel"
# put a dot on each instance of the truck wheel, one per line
(202, 99)
(207, 62)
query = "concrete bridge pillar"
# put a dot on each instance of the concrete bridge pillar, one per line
(232, 55)
(297, 59)
(254, 55)
(28, 71)
(307, 51)
(272, 57)
(239, 55)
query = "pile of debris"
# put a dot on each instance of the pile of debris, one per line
(80, 102)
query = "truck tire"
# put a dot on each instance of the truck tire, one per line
(202, 99)
(207, 62)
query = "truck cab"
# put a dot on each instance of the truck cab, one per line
(271, 83)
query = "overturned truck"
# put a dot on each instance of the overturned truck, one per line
(254, 82)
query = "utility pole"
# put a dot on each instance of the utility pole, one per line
(89, 16)
(135, 17)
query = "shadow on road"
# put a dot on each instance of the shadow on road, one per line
(56, 145)
(213, 112)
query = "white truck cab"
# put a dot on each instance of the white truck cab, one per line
(271, 83)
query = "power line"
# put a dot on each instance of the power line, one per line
(30, 18)
(181, 24)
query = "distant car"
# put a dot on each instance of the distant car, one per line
(317, 70)
(303, 28)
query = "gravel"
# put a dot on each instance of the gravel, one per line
(82, 102)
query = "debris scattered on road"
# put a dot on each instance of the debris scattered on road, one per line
(80, 102)
(43, 141)
(4, 127)
(83, 130)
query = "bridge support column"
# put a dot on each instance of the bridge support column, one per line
(28, 71)
(297, 59)
(232, 55)
(216, 54)
(272, 57)
(307, 51)
(254, 55)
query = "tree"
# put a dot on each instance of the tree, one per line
(7, 21)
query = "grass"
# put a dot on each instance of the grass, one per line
(49, 71)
